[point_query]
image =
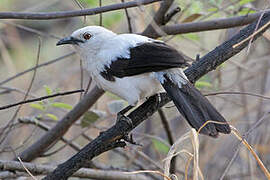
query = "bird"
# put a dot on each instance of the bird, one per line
(135, 67)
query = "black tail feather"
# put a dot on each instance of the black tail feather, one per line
(196, 108)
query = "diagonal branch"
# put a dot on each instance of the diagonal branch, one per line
(68, 14)
(207, 63)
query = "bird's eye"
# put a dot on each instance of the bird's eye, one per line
(87, 36)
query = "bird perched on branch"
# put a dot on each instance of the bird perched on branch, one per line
(135, 67)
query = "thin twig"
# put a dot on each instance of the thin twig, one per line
(128, 19)
(246, 136)
(6, 131)
(28, 29)
(27, 169)
(168, 131)
(80, 6)
(170, 14)
(45, 127)
(41, 98)
(100, 15)
(215, 24)
(36, 67)
(88, 85)
(259, 161)
(252, 36)
(82, 77)
(67, 14)
(38, 169)
(242, 93)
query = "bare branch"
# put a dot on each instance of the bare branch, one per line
(38, 66)
(41, 98)
(159, 18)
(236, 93)
(128, 19)
(222, 23)
(67, 14)
(168, 130)
(37, 169)
(43, 126)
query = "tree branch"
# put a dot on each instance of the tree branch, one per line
(221, 23)
(62, 126)
(159, 18)
(37, 169)
(41, 98)
(35, 67)
(68, 14)
(207, 63)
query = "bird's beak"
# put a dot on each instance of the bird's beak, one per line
(69, 40)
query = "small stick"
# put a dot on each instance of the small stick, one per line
(41, 98)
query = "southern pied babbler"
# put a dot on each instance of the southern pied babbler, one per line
(135, 67)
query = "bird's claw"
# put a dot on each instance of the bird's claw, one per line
(122, 117)
(129, 139)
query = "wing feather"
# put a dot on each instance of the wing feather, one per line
(146, 57)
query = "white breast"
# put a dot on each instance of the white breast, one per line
(131, 89)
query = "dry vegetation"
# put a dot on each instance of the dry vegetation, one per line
(239, 89)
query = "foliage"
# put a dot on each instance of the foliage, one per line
(48, 105)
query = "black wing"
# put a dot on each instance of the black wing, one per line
(146, 57)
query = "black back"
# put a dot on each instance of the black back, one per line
(146, 57)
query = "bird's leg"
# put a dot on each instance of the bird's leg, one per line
(121, 115)
(158, 98)
(129, 139)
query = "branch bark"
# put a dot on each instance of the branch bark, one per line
(68, 14)
(207, 63)
(215, 24)
(37, 169)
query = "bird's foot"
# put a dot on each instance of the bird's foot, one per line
(122, 117)
(129, 139)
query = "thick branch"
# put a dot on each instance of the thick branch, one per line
(67, 14)
(37, 169)
(207, 63)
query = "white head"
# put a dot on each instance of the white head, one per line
(88, 39)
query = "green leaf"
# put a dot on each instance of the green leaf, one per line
(160, 146)
(52, 116)
(37, 106)
(88, 118)
(112, 18)
(214, 9)
(61, 105)
(246, 11)
(48, 90)
(243, 2)
(91, 3)
(202, 84)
